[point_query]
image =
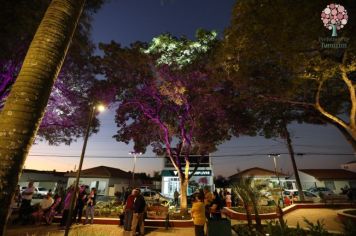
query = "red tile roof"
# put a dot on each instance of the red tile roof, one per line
(257, 171)
(324, 174)
(102, 172)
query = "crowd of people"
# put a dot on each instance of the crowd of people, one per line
(206, 205)
(135, 208)
(53, 204)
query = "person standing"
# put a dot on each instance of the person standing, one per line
(228, 200)
(176, 196)
(78, 211)
(66, 207)
(129, 211)
(25, 208)
(90, 206)
(198, 214)
(138, 209)
(208, 198)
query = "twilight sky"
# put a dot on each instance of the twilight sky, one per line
(127, 21)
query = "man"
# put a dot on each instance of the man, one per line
(208, 199)
(25, 208)
(176, 196)
(139, 209)
(129, 211)
(78, 211)
(45, 206)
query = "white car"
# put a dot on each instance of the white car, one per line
(308, 196)
(321, 191)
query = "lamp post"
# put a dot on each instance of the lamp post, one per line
(73, 199)
(135, 155)
(275, 170)
(275, 165)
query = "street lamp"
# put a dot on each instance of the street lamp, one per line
(275, 165)
(274, 155)
(94, 108)
(135, 155)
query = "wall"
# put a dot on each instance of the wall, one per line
(100, 183)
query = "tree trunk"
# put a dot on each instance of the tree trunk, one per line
(294, 164)
(349, 138)
(183, 195)
(25, 106)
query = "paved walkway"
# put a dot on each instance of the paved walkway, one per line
(329, 217)
(93, 230)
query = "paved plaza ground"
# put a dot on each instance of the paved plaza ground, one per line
(329, 217)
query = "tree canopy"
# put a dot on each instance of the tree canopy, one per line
(68, 109)
(284, 62)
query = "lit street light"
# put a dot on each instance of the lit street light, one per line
(135, 155)
(94, 108)
(275, 165)
(276, 172)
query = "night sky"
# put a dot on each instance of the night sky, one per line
(127, 21)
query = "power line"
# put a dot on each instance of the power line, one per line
(212, 156)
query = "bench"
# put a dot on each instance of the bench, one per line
(334, 199)
(157, 212)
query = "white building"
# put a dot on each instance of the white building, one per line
(350, 166)
(203, 176)
(334, 179)
(46, 179)
(267, 177)
(107, 180)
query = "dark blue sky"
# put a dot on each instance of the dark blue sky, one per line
(127, 21)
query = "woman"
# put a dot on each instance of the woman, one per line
(90, 206)
(198, 214)
(216, 207)
(228, 200)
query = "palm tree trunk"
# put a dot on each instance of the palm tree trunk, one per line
(25, 106)
(294, 164)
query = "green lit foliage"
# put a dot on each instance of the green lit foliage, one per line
(180, 52)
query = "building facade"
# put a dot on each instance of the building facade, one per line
(53, 180)
(334, 179)
(203, 176)
(107, 180)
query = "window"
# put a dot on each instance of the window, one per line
(330, 185)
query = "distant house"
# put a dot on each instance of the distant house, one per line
(107, 180)
(351, 166)
(259, 174)
(334, 179)
(45, 179)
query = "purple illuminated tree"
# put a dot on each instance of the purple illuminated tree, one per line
(176, 108)
(65, 117)
(334, 17)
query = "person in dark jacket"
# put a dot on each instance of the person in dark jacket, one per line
(139, 210)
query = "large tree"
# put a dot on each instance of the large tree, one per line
(318, 78)
(26, 103)
(167, 98)
(265, 67)
(64, 119)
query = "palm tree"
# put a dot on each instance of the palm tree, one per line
(25, 106)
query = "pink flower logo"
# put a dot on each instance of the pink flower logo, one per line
(334, 17)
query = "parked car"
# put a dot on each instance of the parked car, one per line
(321, 191)
(308, 196)
(156, 197)
(40, 192)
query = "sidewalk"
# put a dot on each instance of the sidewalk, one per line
(94, 230)
(327, 216)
